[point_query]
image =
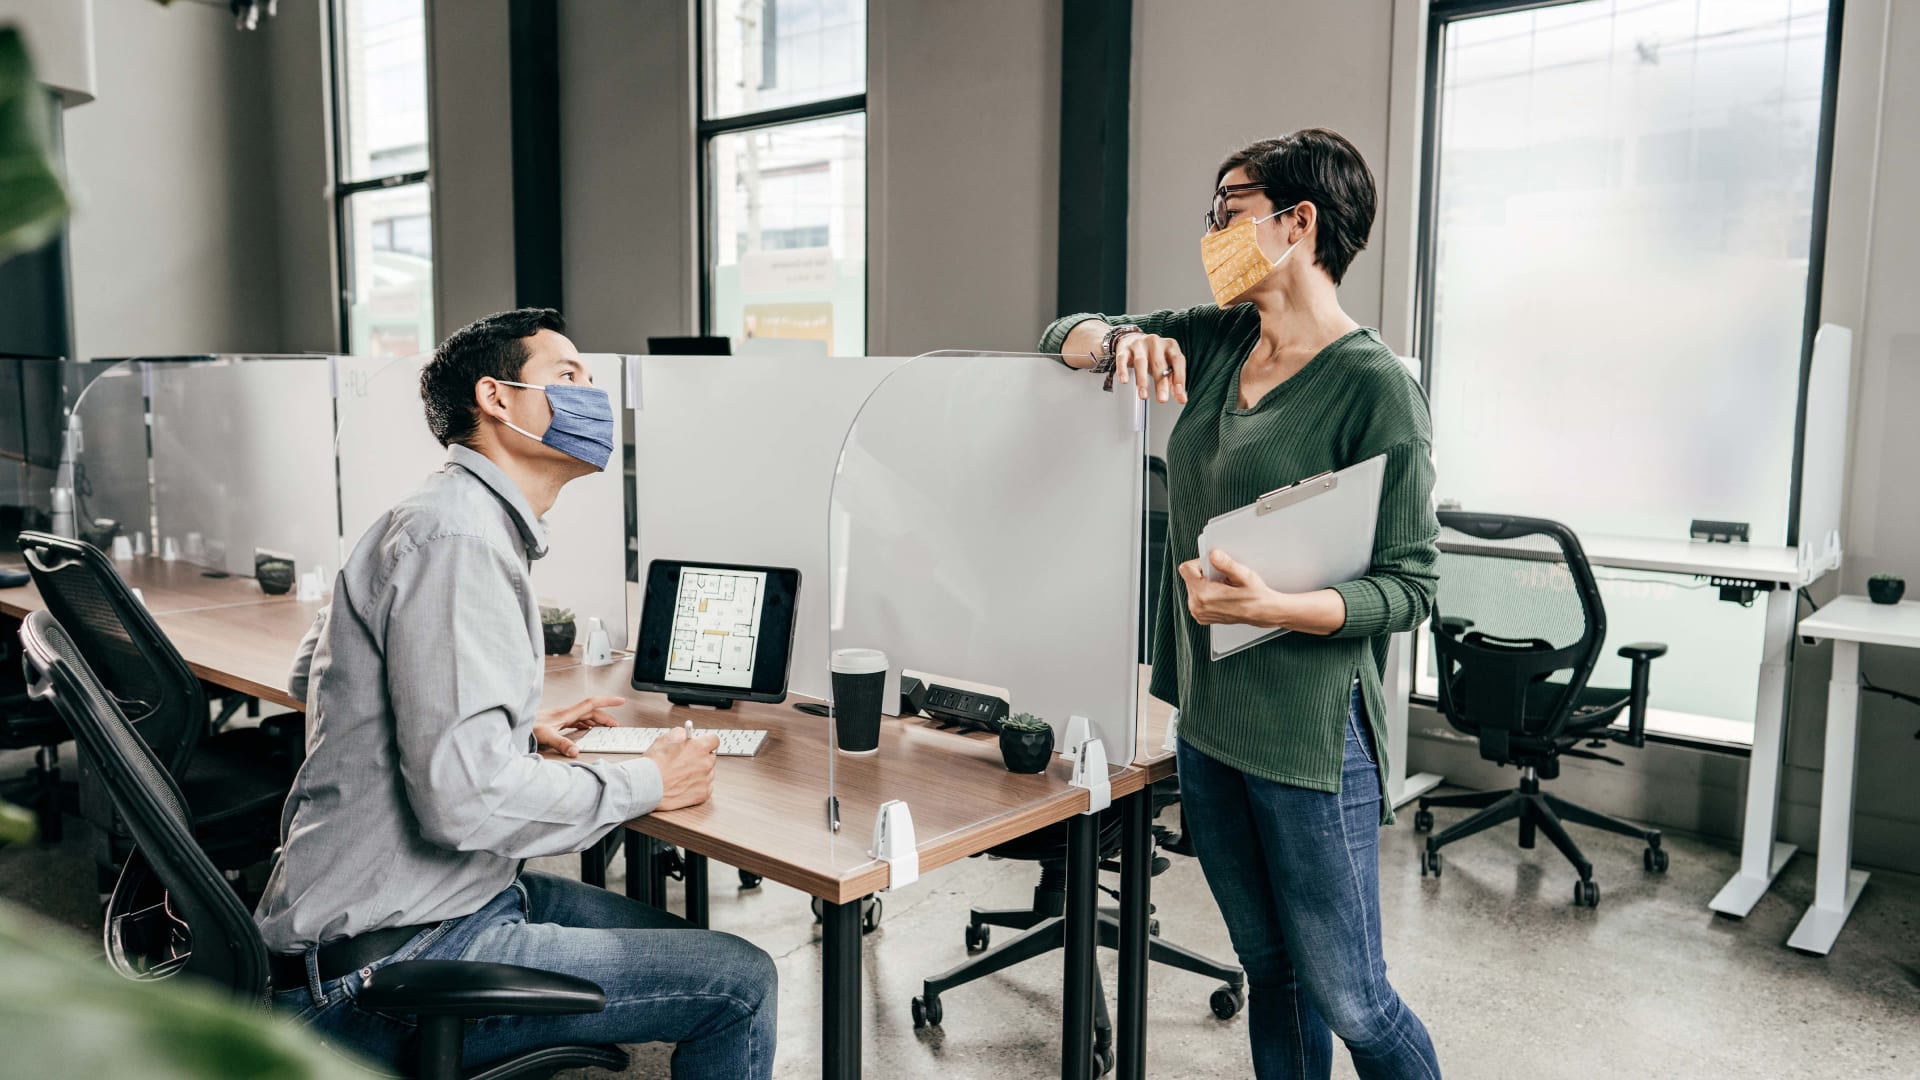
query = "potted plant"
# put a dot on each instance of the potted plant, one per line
(1886, 588)
(560, 629)
(274, 575)
(1026, 743)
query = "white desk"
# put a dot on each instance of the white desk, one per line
(1848, 622)
(1761, 856)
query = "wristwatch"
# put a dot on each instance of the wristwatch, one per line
(1104, 364)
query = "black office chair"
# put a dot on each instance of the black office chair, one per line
(27, 725)
(234, 782)
(1511, 614)
(173, 913)
(1043, 927)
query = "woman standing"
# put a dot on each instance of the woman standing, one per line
(1281, 775)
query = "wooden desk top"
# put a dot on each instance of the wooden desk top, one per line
(768, 813)
(164, 587)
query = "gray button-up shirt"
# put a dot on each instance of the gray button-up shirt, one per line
(419, 794)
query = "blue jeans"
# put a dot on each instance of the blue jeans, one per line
(1297, 876)
(712, 994)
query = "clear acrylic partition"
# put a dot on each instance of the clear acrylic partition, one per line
(984, 532)
(384, 451)
(239, 461)
(103, 460)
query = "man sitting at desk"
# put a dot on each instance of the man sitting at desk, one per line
(403, 833)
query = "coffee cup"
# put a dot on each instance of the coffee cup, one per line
(859, 680)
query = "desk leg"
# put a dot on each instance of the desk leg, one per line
(1760, 858)
(639, 857)
(1136, 907)
(840, 991)
(1837, 886)
(1076, 1036)
(696, 878)
(1395, 689)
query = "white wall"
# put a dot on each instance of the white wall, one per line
(299, 86)
(962, 177)
(59, 40)
(172, 172)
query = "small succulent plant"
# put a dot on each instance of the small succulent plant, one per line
(1025, 721)
(554, 616)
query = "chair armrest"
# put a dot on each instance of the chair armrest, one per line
(468, 988)
(1643, 654)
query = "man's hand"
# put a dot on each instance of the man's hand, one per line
(1242, 598)
(686, 767)
(550, 728)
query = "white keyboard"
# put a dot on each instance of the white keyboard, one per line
(734, 742)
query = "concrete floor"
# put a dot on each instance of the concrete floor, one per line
(1510, 978)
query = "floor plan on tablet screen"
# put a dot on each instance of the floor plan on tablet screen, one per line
(716, 626)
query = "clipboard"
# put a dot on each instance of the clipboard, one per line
(1299, 538)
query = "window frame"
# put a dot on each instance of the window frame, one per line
(344, 190)
(706, 130)
(1442, 14)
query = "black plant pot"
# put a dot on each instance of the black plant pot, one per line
(1886, 590)
(560, 637)
(1026, 751)
(275, 578)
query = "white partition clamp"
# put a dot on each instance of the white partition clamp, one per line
(1090, 772)
(598, 651)
(1171, 744)
(894, 843)
(1079, 730)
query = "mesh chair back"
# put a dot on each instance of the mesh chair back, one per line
(222, 943)
(138, 666)
(1517, 604)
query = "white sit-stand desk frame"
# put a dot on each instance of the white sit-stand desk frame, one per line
(1787, 570)
(1849, 622)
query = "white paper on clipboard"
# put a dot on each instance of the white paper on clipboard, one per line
(1301, 538)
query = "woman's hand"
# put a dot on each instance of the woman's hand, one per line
(550, 728)
(1242, 598)
(1154, 364)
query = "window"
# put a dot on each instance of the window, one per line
(1618, 235)
(783, 160)
(381, 201)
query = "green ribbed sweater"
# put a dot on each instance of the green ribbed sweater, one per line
(1278, 710)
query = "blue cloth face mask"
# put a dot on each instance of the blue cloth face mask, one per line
(582, 425)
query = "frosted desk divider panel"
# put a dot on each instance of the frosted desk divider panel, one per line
(733, 463)
(386, 452)
(984, 531)
(106, 432)
(240, 460)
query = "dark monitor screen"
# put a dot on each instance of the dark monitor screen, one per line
(716, 631)
(30, 409)
(689, 346)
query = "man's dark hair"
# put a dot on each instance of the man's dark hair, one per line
(1319, 166)
(496, 346)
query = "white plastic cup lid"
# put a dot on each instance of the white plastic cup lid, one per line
(859, 661)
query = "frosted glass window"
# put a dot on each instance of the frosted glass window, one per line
(1621, 230)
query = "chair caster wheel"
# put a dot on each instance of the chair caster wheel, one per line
(870, 915)
(1102, 1060)
(1586, 893)
(816, 909)
(1423, 821)
(1153, 927)
(1655, 860)
(749, 881)
(926, 1011)
(1227, 1001)
(1429, 863)
(978, 938)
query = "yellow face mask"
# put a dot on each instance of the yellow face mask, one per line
(1233, 260)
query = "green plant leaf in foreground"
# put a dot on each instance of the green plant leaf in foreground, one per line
(32, 202)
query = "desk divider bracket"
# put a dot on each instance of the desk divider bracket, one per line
(1171, 744)
(894, 844)
(1090, 773)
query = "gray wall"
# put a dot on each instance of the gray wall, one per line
(962, 181)
(470, 137)
(302, 140)
(173, 177)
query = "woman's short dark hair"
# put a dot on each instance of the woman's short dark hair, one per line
(1320, 166)
(495, 345)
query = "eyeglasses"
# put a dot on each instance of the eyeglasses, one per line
(1218, 216)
